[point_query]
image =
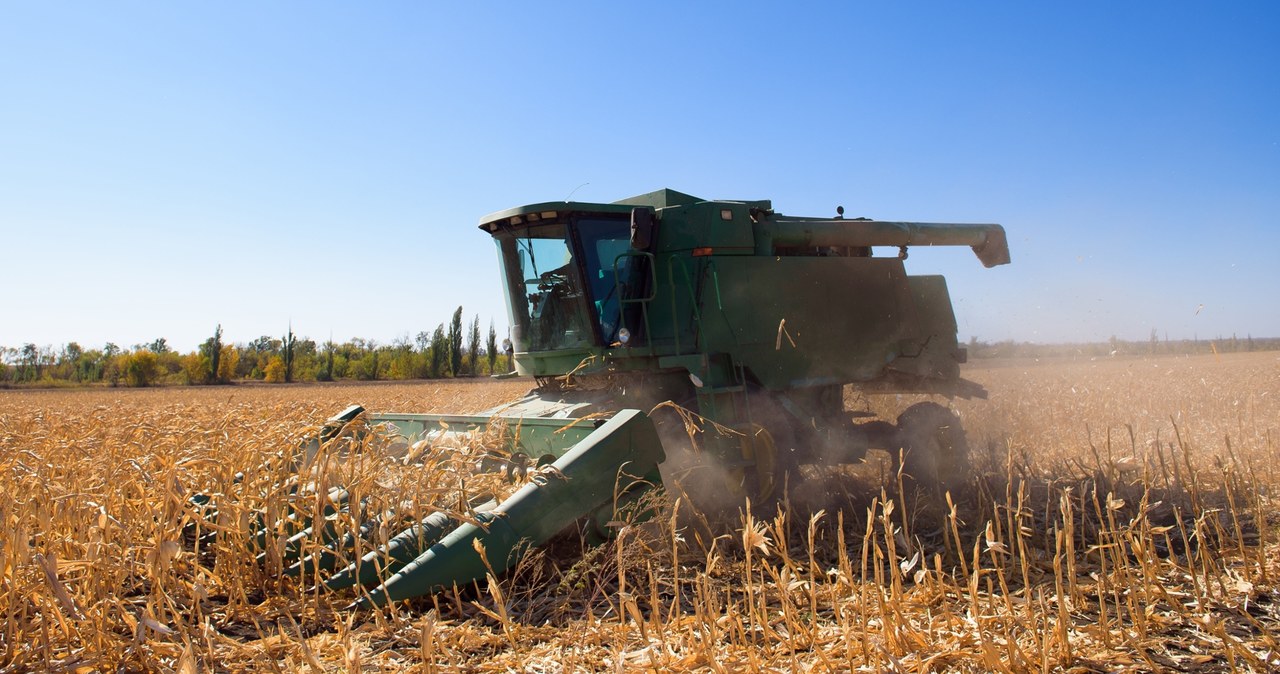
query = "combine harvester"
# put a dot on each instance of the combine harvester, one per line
(752, 320)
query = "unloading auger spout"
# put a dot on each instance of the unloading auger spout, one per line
(987, 241)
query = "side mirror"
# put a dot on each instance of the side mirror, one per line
(642, 223)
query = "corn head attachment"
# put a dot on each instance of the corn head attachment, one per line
(515, 482)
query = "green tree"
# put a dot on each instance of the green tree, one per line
(364, 361)
(89, 365)
(287, 346)
(29, 363)
(325, 373)
(110, 364)
(212, 350)
(473, 347)
(305, 360)
(455, 343)
(439, 349)
(422, 356)
(491, 348)
(67, 358)
(263, 344)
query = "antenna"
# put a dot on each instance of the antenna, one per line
(566, 199)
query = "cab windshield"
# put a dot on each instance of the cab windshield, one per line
(563, 282)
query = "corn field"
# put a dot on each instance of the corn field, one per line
(1120, 518)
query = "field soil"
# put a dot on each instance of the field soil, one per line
(1121, 517)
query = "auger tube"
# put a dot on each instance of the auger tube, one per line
(988, 242)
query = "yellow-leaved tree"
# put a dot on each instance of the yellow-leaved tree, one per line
(195, 366)
(227, 362)
(141, 368)
(274, 372)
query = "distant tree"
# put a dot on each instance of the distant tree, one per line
(263, 344)
(159, 346)
(29, 363)
(108, 368)
(491, 347)
(275, 370)
(170, 366)
(48, 358)
(455, 343)
(325, 373)
(88, 366)
(287, 346)
(473, 347)
(194, 367)
(228, 359)
(71, 352)
(140, 368)
(362, 358)
(212, 350)
(306, 359)
(439, 351)
(67, 361)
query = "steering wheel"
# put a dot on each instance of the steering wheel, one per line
(551, 279)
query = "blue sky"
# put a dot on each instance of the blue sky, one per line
(165, 167)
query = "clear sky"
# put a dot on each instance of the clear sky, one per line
(165, 167)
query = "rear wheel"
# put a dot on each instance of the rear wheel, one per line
(934, 450)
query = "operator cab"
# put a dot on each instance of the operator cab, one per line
(565, 272)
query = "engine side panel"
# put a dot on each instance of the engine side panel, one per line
(808, 321)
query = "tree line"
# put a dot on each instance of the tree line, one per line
(451, 350)
(1152, 346)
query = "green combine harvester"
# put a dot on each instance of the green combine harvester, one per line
(752, 321)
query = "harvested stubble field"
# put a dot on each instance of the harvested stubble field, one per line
(1122, 519)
